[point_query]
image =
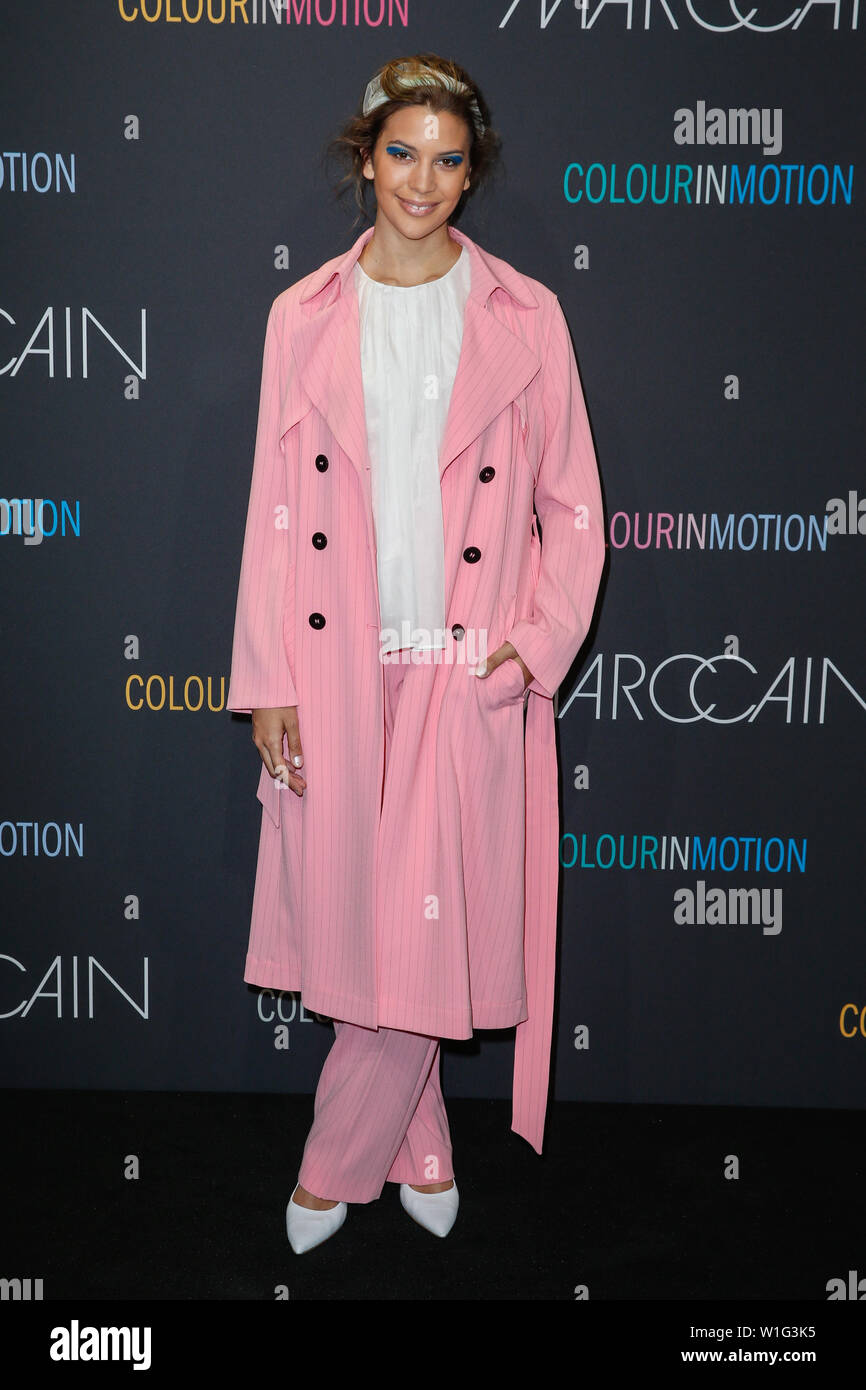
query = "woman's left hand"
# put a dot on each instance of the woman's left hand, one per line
(502, 654)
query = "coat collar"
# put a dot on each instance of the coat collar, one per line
(488, 273)
(495, 364)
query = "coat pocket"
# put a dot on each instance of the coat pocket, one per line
(269, 794)
(503, 687)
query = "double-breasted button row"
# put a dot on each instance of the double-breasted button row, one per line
(471, 554)
(320, 540)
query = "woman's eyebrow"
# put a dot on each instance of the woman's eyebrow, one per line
(395, 141)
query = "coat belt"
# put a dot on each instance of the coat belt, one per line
(532, 1039)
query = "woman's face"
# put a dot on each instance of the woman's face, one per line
(419, 169)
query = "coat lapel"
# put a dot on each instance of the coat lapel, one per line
(494, 367)
(495, 364)
(327, 351)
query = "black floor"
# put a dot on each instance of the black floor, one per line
(627, 1203)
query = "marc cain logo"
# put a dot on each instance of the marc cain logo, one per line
(800, 687)
(677, 15)
(81, 987)
(53, 335)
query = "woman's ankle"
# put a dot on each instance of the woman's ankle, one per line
(311, 1201)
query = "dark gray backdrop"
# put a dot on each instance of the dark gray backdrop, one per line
(183, 222)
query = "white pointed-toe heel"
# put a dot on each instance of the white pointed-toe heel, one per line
(435, 1211)
(306, 1228)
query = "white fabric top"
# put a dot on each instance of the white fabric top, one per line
(410, 346)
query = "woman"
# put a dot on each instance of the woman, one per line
(400, 633)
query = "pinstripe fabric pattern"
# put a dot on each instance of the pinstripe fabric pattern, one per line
(378, 1116)
(464, 935)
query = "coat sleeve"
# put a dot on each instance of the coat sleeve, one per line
(569, 506)
(260, 675)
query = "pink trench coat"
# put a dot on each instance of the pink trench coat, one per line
(457, 928)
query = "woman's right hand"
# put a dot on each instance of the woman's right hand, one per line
(269, 725)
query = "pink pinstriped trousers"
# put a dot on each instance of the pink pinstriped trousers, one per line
(379, 1114)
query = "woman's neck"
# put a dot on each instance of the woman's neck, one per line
(396, 260)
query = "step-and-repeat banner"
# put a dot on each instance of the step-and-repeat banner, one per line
(684, 174)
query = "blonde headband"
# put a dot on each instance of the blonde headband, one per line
(374, 96)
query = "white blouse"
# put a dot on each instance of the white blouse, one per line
(410, 346)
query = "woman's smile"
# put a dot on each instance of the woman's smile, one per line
(416, 209)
